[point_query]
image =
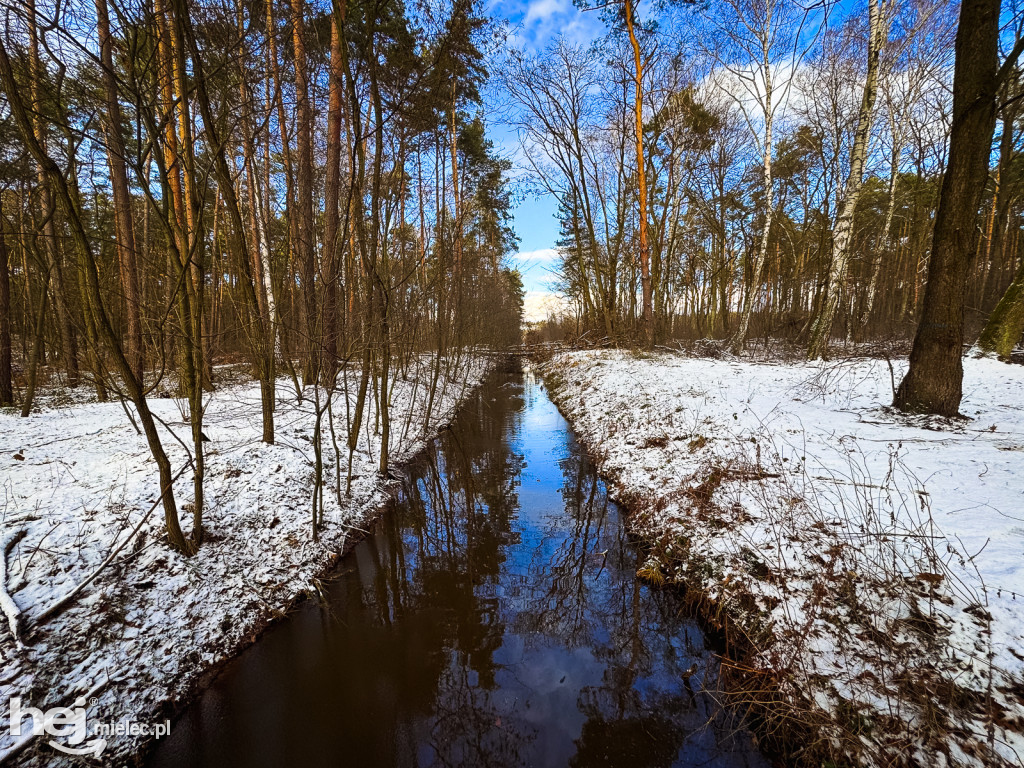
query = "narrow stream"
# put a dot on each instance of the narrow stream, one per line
(493, 619)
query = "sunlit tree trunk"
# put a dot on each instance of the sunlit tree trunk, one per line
(641, 172)
(305, 243)
(883, 238)
(753, 280)
(332, 192)
(6, 383)
(842, 235)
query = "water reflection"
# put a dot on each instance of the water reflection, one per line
(494, 619)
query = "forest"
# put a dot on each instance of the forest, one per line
(309, 187)
(739, 170)
(302, 188)
(269, 377)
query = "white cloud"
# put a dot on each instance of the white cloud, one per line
(539, 256)
(538, 268)
(537, 305)
(542, 10)
(535, 23)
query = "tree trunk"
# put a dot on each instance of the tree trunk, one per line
(304, 193)
(934, 381)
(1005, 193)
(457, 208)
(36, 353)
(646, 289)
(261, 338)
(51, 248)
(1006, 323)
(127, 258)
(332, 194)
(81, 241)
(842, 238)
(883, 238)
(754, 279)
(6, 384)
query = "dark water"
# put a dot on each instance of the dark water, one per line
(494, 619)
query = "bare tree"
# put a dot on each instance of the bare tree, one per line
(934, 381)
(842, 234)
(756, 47)
(55, 177)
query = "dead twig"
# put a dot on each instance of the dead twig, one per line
(7, 604)
(62, 602)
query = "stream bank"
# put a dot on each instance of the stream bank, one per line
(870, 619)
(155, 626)
(494, 618)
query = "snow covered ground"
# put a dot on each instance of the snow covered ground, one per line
(76, 479)
(873, 561)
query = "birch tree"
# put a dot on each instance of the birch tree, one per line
(842, 233)
(755, 47)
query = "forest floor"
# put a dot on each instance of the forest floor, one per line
(77, 479)
(865, 567)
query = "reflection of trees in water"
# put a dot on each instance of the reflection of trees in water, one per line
(637, 742)
(420, 658)
(471, 729)
(445, 553)
(559, 599)
(643, 707)
(571, 584)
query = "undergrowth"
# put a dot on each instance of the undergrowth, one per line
(853, 632)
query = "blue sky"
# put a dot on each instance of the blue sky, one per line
(534, 24)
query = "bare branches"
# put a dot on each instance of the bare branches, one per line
(10, 608)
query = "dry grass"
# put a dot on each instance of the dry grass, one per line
(849, 631)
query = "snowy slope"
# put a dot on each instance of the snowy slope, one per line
(874, 560)
(77, 479)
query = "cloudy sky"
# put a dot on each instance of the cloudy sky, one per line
(534, 24)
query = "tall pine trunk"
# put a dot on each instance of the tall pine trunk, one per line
(127, 258)
(6, 383)
(332, 195)
(646, 288)
(51, 248)
(305, 242)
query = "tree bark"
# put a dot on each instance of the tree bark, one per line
(304, 192)
(934, 381)
(842, 238)
(641, 172)
(6, 383)
(81, 241)
(261, 340)
(69, 343)
(127, 257)
(754, 278)
(332, 193)
(1006, 323)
